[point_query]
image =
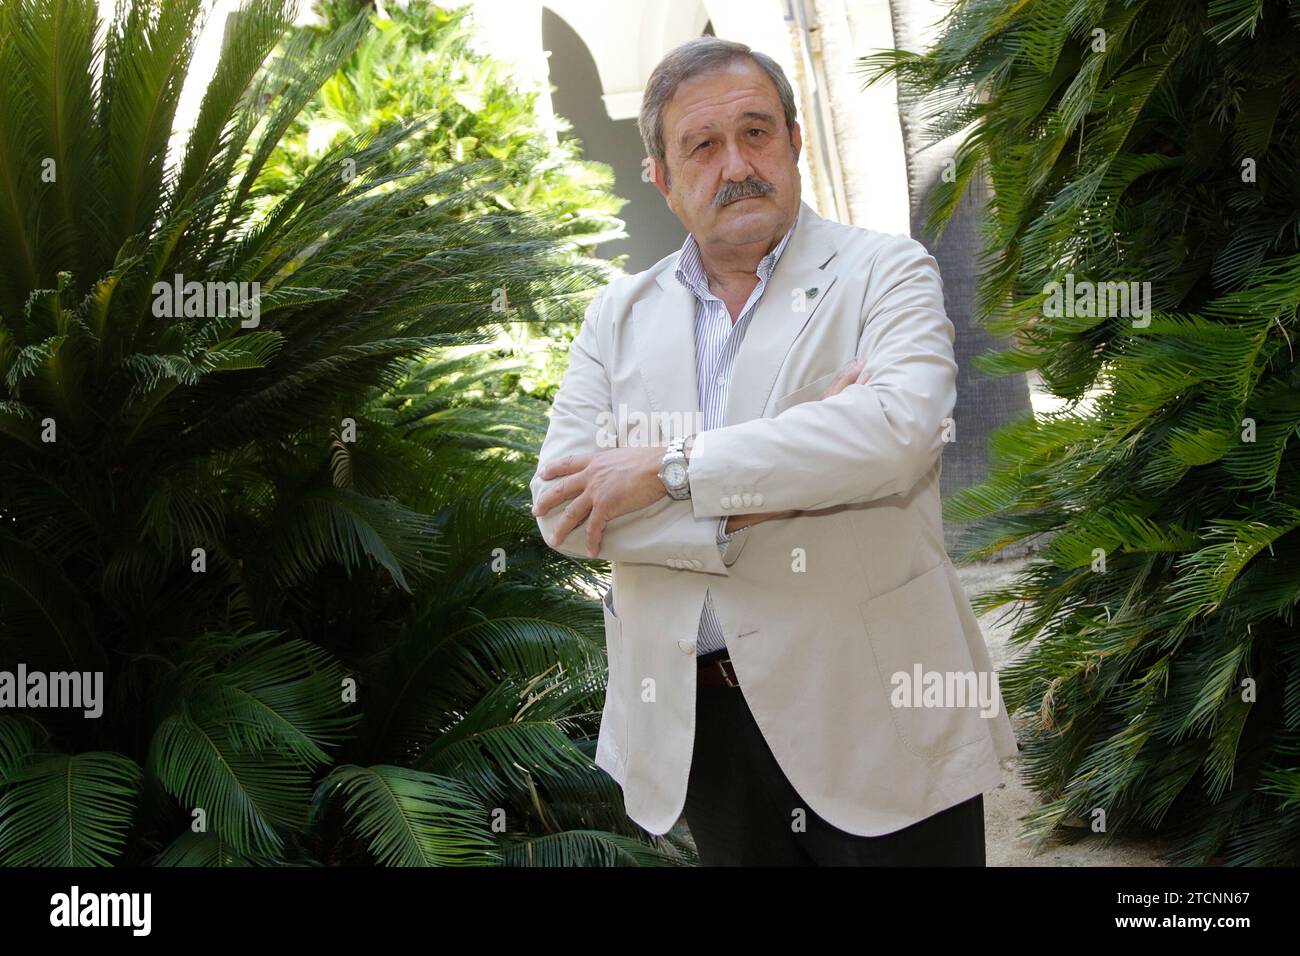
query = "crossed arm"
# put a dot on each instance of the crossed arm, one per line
(875, 432)
(617, 512)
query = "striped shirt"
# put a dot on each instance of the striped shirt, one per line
(717, 340)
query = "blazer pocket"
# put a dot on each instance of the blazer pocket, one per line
(804, 393)
(917, 627)
(613, 719)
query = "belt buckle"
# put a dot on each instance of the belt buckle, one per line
(722, 667)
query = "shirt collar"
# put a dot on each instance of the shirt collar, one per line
(690, 270)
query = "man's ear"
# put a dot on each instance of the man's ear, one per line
(659, 175)
(796, 139)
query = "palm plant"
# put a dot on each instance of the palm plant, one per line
(420, 60)
(1151, 142)
(274, 531)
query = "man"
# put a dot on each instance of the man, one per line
(792, 662)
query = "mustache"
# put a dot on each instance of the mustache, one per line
(730, 192)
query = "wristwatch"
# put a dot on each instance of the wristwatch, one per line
(672, 471)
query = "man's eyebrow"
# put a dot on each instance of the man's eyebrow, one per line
(759, 115)
(694, 131)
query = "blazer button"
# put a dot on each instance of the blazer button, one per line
(696, 563)
(686, 647)
(748, 499)
(735, 501)
(726, 501)
(758, 499)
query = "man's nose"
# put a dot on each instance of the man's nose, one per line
(736, 165)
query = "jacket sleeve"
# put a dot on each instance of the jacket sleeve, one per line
(867, 442)
(667, 533)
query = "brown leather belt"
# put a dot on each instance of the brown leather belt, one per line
(716, 670)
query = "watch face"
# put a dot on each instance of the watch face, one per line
(675, 474)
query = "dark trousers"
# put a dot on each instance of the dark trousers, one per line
(739, 807)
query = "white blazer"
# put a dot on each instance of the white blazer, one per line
(820, 611)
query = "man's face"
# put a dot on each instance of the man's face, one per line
(726, 143)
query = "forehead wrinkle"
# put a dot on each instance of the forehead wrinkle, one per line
(759, 115)
(721, 102)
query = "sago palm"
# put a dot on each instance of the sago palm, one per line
(292, 536)
(1150, 142)
(421, 59)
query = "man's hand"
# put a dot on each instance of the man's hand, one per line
(855, 374)
(601, 487)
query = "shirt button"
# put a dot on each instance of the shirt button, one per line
(686, 647)
(721, 380)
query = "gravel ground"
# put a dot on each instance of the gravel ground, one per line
(1004, 806)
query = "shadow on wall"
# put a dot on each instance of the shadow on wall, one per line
(653, 231)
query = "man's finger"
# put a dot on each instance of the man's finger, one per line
(548, 499)
(596, 522)
(565, 466)
(844, 378)
(573, 516)
(558, 492)
(836, 386)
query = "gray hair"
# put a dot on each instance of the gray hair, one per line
(693, 57)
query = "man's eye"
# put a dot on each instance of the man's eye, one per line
(757, 130)
(702, 145)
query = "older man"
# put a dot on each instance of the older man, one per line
(792, 661)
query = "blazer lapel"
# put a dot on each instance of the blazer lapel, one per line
(663, 329)
(806, 266)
